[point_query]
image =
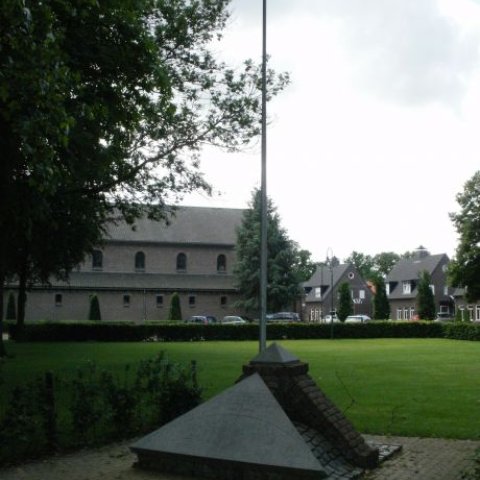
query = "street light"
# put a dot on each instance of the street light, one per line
(330, 263)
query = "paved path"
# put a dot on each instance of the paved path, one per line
(419, 459)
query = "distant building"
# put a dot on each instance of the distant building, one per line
(402, 284)
(136, 271)
(321, 294)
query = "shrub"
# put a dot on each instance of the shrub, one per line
(93, 408)
(175, 312)
(94, 310)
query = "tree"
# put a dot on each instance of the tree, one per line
(425, 300)
(363, 263)
(384, 262)
(94, 310)
(345, 302)
(287, 265)
(175, 311)
(108, 107)
(381, 305)
(11, 311)
(464, 269)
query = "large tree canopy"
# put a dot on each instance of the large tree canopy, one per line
(287, 265)
(464, 269)
(106, 105)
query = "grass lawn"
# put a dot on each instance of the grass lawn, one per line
(412, 387)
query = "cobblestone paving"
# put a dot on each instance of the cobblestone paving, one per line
(425, 459)
(419, 459)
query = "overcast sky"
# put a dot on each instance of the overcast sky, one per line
(379, 129)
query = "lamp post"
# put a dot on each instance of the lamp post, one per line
(330, 263)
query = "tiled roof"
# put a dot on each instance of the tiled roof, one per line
(147, 281)
(191, 225)
(322, 276)
(410, 269)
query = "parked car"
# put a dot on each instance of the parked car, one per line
(328, 319)
(357, 319)
(202, 319)
(283, 317)
(233, 320)
(444, 317)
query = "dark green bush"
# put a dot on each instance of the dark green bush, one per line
(176, 331)
(93, 408)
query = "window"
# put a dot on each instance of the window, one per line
(223, 301)
(351, 275)
(58, 299)
(399, 313)
(126, 300)
(318, 292)
(406, 315)
(140, 261)
(412, 312)
(445, 290)
(221, 263)
(159, 301)
(181, 262)
(361, 294)
(387, 288)
(477, 313)
(97, 260)
(191, 300)
(407, 287)
(432, 288)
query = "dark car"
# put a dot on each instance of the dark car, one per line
(202, 319)
(283, 317)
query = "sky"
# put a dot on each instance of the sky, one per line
(378, 130)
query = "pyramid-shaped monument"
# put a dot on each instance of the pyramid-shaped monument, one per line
(241, 433)
(274, 424)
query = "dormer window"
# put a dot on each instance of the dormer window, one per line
(407, 287)
(387, 288)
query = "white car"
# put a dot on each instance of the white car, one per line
(233, 320)
(357, 319)
(328, 319)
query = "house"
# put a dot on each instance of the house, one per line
(136, 271)
(468, 311)
(321, 292)
(402, 284)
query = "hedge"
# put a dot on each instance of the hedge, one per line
(176, 331)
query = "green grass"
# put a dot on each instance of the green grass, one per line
(412, 387)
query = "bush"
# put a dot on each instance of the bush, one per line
(93, 408)
(94, 310)
(175, 312)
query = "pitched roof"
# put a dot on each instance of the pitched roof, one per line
(322, 277)
(409, 269)
(189, 225)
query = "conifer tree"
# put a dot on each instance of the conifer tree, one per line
(345, 302)
(175, 311)
(94, 311)
(381, 305)
(425, 300)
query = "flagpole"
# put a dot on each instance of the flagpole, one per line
(263, 233)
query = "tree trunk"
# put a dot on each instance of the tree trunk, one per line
(22, 298)
(3, 351)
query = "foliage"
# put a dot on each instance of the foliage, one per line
(94, 407)
(381, 305)
(287, 265)
(425, 299)
(345, 303)
(464, 269)
(11, 310)
(371, 267)
(174, 332)
(458, 315)
(103, 112)
(94, 309)
(175, 311)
